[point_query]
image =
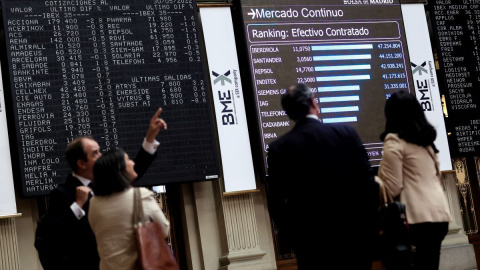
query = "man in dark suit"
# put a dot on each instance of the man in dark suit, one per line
(321, 190)
(64, 238)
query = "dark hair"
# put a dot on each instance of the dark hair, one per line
(109, 173)
(297, 101)
(405, 117)
(75, 151)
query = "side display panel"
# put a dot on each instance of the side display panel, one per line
(425, 76)
(227, 91)
(8, 205)
(456, 26)
(457, 36)
(101, 68)
(352, 54)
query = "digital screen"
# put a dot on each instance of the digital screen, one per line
(351, 53)
(101, 68)
(457, 36)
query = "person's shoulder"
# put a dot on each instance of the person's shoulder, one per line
(281, 139)
(70, 181)
(61, 189)
(145, 192)
(276, 142)
(66, 188)
(392, 138)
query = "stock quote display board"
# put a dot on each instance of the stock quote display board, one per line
(102, 68)
(457, 34)
(351, 53)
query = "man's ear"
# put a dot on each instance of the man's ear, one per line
(81, 164)
(314, 106)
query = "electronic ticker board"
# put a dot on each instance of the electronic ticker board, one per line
(351, 53)
(101, 68)
(456, 28)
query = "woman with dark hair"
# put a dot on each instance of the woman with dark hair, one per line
(410, 170)
(111, 211)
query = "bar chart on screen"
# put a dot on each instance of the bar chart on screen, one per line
(345, 77)
(353, 57)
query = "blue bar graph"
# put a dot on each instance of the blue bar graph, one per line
(341, 57)
(339, 99)
(338, 77)
(338, 88)
(339, 120)
(342, 47)
(350, 77)
(340, 109)
(343, 67)
(343, 78)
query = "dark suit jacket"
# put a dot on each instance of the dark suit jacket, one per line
(71, 242)
(322, 193)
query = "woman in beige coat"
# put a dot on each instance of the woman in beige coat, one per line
(410, 169)
(111, 211)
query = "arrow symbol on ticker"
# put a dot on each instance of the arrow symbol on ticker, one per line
(252, 13)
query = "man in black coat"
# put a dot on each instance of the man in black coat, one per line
(321, 190)
(64, 238)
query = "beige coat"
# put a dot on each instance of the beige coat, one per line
(111, 220)
(409, 170)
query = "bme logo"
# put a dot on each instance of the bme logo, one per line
(419, 69)
(222, 78)
(422, 85)
(225, 97)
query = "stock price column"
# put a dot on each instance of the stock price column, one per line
(352, 54)
(457, 32)
(101, 68)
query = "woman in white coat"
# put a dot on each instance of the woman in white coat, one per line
(111, 211)
(410, 170)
